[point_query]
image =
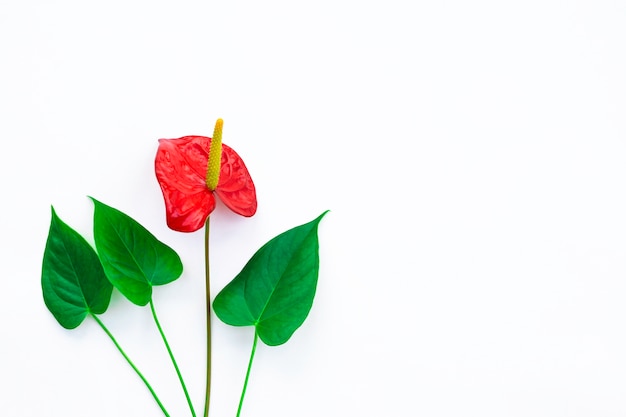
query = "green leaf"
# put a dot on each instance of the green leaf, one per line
(274, 291)
(72, 278)
(133, 259)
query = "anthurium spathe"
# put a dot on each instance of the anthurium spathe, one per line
(189, 176)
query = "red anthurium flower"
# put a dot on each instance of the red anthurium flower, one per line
(189, 174)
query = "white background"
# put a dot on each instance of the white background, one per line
(472, 154)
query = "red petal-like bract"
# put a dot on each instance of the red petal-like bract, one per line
(181, 166)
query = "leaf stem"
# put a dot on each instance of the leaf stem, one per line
(207, 398)
(245, 384)
(169, 351)
(132, 365)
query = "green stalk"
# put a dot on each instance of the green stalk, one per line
(132, 365)
(207, 398)
(169, 351)
(245, 384)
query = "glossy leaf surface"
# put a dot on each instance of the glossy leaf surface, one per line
(133, 259)
(72, 278)
(274, 291)
(181, 168)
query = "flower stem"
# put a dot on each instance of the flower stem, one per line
(145, 381)
(245, 384)
(169, 351)
(207, 397)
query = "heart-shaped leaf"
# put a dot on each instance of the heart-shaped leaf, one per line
(274, 291)
(133, 259)
(72, 278)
